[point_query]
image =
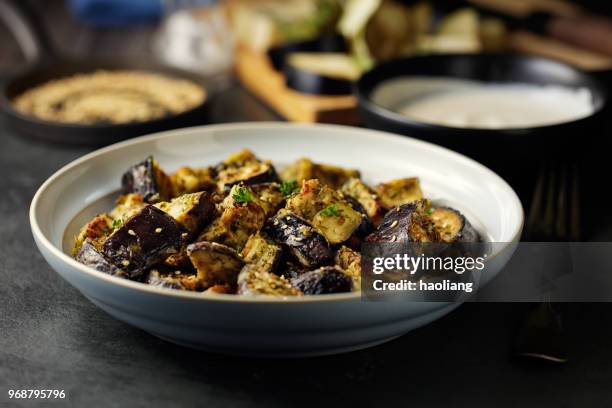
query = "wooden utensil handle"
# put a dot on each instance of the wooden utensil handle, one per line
(590, 32)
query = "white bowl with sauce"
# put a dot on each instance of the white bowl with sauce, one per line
(487, 106)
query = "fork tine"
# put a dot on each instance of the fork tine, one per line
(548, 219)
(537, 204)
(575, 232)
(562, 213)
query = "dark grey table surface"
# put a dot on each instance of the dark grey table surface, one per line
(52, 337)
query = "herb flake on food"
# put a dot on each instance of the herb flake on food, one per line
(289, 188)
(117, 223)
(242, 196)
(330, 210)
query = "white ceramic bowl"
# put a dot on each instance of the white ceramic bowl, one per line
(266, 327)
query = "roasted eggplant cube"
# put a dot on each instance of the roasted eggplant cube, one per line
(304, 169)
(241, 217)
(173, 280)
(243, 167)
(400, 191)
(269, 197)
(328, 279)
(127, 206)
(147, 179)
(452, 226)
(366, 226)
(350, 262)
(147, 238)
(337, 222)
(89, 255)
(253, 280)
(366, 197)
(192, 211)
(301, 240)
(188, 180)
(216, 264)
(406, 223)
(96, 231)
(326, 209)
(261, 251)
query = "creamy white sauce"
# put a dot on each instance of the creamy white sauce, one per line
(471, 104)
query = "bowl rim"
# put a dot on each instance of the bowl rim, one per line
(44, 242)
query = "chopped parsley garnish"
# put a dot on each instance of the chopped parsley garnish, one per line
(242, 195)
(430, 211)
(330, 210)
(288, 188)
(117, 223)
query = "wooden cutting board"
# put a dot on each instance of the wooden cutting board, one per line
(256, 73)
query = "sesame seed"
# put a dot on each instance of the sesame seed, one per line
(184, 235)
(131, 232)
(393, 224)
(125, 262)
(158, 230)
(393, 238)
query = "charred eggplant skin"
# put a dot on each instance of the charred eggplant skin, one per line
(301, 240)
(453, 226)
(366, 226)
(406, 223)
(90, 256)
(145, 239)
(328, 279)
(146, 179)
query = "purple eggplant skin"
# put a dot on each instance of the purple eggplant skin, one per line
(144, 178)
(89, 255)
(405, 223)
(458, 228)
(147, 238)
(300, 239)
(328, 279)
(269, 175)
(366, 226)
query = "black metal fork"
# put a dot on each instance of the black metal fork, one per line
(554, 215)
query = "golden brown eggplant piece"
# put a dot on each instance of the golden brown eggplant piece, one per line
(193, 211)
(96, 231)
(304, 169)
(241, 216)
(244, 168)
(173, 280)
(188, 180)
(326, 210)
(253, 280)
(452, 226)
(216, 264)
(127, 205)
(399, 191)
(261, 251)
(368, 199)
(350, 262)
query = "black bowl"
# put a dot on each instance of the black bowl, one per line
(498, 148)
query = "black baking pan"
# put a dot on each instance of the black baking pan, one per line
(46, 64)
(490, 146)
